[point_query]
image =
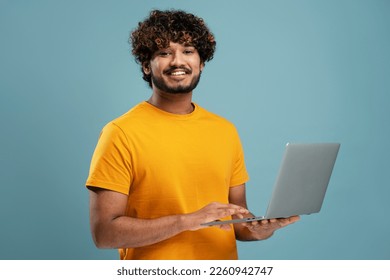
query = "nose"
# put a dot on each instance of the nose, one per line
(178, 59)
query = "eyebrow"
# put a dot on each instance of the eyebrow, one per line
(188, 45)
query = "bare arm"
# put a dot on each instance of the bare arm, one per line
(112, 229)
(258, 230)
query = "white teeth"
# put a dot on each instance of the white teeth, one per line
(178, 73)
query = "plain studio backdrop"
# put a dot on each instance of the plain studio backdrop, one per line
(284, 71)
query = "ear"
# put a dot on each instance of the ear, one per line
(201, 66)
(146, 68)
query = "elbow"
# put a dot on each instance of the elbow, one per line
(102, 238)
(100, 241)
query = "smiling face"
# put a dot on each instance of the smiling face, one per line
(175, 69)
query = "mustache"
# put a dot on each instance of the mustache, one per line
(174, 68)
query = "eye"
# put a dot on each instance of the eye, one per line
(189, 51)
(164, 53)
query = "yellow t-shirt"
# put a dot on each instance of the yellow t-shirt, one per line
(171, 164)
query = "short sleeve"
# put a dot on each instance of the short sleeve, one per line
(240, 173)
(111, 161)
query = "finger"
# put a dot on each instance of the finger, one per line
(264, 222)
(238, 209)
(226, 227)
(238, 212)
(287, 221)
(216, 211)
(251, 224)
(291, 220)
(295, 219)
(221, 213)
(233, 207)
(225, 211)
(254, 225)
(238, 216)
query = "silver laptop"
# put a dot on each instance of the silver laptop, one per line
(301, 183)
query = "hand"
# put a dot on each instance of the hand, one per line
(215, 211)
(265, 228)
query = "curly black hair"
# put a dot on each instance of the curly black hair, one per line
(163, 27)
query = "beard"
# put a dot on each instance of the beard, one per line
(180, 89)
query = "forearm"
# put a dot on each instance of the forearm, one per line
(111, 228)
(127, 232)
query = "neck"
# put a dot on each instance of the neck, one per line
(180, 104)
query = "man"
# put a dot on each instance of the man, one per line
(167, 166)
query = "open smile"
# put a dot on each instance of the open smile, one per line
(177, 72)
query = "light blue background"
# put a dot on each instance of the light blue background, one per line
(284, 71)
